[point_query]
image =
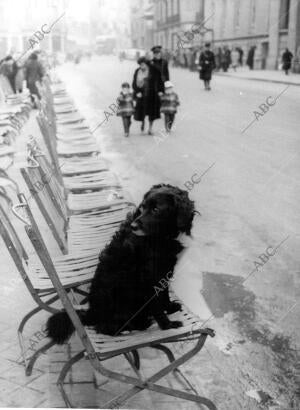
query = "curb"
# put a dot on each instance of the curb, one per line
(258, 79)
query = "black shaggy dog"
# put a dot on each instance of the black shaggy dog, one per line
(143, 252)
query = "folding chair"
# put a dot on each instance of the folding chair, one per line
(73, 180)
(35, 278)
(99, 347)
(83, 225)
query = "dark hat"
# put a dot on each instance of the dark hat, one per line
(156, 49)
(141, 60)
(207, 44)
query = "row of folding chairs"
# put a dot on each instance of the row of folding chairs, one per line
(82, 209)
(83, 204)
(14, 112)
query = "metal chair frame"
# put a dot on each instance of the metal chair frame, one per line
(44, 298)
(96, 358)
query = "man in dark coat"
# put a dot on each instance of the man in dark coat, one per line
(160, 63)
(206, 64)
(286, 59)
(33, 72)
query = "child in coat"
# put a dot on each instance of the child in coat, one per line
(169, 102)
(125, 107)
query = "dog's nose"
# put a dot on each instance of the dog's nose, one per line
(134, 226)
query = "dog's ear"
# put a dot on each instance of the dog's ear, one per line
(185, 212)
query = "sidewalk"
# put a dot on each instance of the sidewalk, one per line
(39, 390)
(271, 76)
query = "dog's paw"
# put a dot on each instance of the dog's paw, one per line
(171, 324)
(173, 307)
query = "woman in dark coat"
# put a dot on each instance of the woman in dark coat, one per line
(207, 64)
(147, 83)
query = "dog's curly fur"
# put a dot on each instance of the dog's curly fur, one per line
(140, 254)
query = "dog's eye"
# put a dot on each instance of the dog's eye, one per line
(155, 210)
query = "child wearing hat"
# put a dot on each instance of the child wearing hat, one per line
(125, 107)
(169, 102)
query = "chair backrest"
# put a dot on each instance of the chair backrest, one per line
(12, 240)
(45, 199)
(49, 137)
(50, 176)
(15, 249)
(46, 260)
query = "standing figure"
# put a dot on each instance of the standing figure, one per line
(218, 58)
(225, 59)
(206, 64)
(235, 58)
(125, 107)
(160, 63)
(250, 58)
(147, 83)
(241, 55)
(286, 59)
(33, 72)
(9, 70)
(169, 102)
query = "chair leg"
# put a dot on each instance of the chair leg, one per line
(136, 359)
(20, 332)
(33, 358)
(149, 384)
(25, 320)
(177, 372)
(63, 373)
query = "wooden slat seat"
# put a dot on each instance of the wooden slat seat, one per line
(76, 148)
(127, 341)
(91, 181)
(73, 166)
(102, 199)
(69, 118)
(72, 269)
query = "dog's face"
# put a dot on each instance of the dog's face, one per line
(165, 211)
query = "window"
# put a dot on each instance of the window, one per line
(253, 12)
(284, 14)
(237, 13)
(172, 7)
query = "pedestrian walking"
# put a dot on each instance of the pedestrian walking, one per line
(125, 107)
(169, 103)
(206, 65)
(235, 58)
(160, 63)
(250, 57)
(5, 71)
(19, 77)
(146, 84)
(286, 60)
(8, 70)
(33, 72)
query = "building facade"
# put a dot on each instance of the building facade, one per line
(19, 21)
(142, 20)
(270, 25)
(174, 18)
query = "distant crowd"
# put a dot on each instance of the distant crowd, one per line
(20, 72)
(225, 58)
